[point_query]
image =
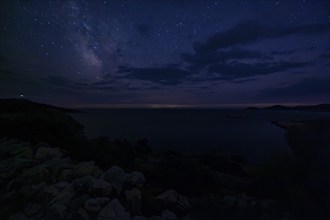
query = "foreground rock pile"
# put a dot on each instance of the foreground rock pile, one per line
(42, 182)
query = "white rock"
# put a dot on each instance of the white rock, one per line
(139, 218)
(116, 176)
(92, 205)
(114, 211)
(32, 208)
(134, 200)
(95, 205)
(169, 196)
(230, 201)
(136, 179)
(168, 215)
(83, 214)
(64, 196)
(85, 168)
(18, 216)
(101, 187)
(83, 184)
(156, 218)
(48, 153)
(58, 211)
(174, 197)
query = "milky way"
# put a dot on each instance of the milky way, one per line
(85, 53)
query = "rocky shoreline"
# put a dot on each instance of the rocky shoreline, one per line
(43, 182)
(50, 170)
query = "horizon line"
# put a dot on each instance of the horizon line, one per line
(184, 106)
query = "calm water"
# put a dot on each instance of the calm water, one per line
(196, 131)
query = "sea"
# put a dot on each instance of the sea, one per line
(248, 133)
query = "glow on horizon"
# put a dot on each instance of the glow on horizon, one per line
(183, 106)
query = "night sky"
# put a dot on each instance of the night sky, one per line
(165, 52)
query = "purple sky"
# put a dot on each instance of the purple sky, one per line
(157, 52)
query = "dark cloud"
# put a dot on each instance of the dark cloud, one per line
(250, 32)
(223, 47)
(173, 65)
(308, 86)
(162, 75)
(235, 70)
(222, 56)
(200, 60)
(143, 29)
(283, 52)
(326, 56)
(244, 80)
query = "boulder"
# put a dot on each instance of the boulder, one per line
(24, 152)
(139, 218)
(168, 215)
(41, 144)
(169, 196)
(178, 202)
(116, 176)
(51, 190)
(18, 216)
(83, 184)
(134, 200)
(64, 196)
(56, 166)
(48, 153)
(32, 208)
(31, 190)
(65, 175)
(114, 211)
(230, 201)
(34, 175)
(57, 211)
(101, 187)
(9, 168)
(135, 179)
(82, 214)
(156, 218)
(9, 148)
(86, 168)
(95, 205)
(92, 205)
(62, 185)
(77, 202)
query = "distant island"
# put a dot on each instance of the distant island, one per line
(312, 108)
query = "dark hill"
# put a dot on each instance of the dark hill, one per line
(312, 108)
(19, 105)
(33, 122)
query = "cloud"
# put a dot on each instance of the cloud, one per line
(283, 52)
(250, 32)
(162, 75)
(201, 60)
(236, 70)
(308, 86)
(222, 56)
(325, 56)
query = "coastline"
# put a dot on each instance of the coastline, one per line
(75, 178)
